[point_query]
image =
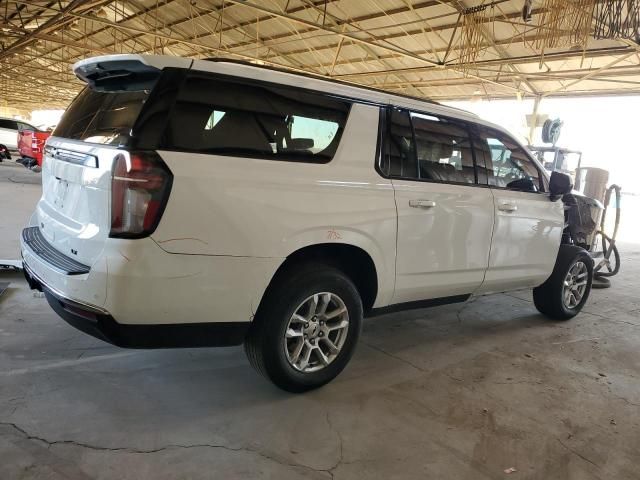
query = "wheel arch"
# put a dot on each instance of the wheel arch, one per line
(353, 260)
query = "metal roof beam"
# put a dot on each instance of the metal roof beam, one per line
(50, 25)
(346, 35)
(601, 52)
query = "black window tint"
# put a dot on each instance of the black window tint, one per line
(234, 118)
(399, 146)
(148, 131)
(10, 124)
(101, 117)
(508, 166)
(443, 150)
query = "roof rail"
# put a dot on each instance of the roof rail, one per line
(331, 80)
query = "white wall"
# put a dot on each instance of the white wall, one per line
(605, 129)
(46, 117)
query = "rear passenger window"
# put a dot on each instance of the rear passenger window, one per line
(443, 150)
(424, 147)
(400, 147)
(508, 166)
(255, 120)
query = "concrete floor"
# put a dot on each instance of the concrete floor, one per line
(456, 392)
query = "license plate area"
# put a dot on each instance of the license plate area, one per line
(61, 192)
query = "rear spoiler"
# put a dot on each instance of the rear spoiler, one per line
(125, 73)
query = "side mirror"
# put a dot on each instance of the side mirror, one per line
(560, 184)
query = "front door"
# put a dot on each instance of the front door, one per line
(445, 219)
(528, 225)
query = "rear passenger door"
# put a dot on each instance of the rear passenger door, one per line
(528, 225)
(445, 218)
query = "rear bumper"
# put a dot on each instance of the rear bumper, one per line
(100, 324)
(33, 239)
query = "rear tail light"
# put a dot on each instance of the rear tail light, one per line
(37, 144)
(140, 187)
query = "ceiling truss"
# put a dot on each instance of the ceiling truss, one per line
(405, 46)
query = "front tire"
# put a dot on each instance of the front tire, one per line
(566, 291)
(306, 328)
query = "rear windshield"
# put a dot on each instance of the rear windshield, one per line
(101, 117)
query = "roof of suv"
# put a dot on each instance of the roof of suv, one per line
(271, 74)
(320, 77)
(329, 85)
(84, 69)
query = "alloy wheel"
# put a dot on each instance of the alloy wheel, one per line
(316, 332)
(575, 285)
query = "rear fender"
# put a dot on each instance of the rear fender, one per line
(384, 263)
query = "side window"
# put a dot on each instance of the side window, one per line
(214, 118)
(235, 118)
(399, 146)
(10, 124)
(424, 147)
(443, 150)
(508, 166)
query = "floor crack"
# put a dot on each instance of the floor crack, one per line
(400, 359)
(275, 459)
(466, 305)
(518, 382)
(577, 454)
(517, 298)
(341, 444)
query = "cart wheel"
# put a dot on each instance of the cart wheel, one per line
(613, 266)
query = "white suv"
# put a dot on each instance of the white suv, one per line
(209, 203)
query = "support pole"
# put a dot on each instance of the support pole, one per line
(534, 119)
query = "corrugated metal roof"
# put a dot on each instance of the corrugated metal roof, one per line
(406, 46)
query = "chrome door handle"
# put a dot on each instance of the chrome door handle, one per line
(422, 203)
(508, 207)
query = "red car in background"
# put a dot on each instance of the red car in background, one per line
(31, 142)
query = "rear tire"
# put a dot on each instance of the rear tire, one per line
(286, 324)
(566, 291)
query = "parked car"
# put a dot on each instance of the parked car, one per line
(31, 142)
(8, 137)
(207, 203)
(9, 129)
